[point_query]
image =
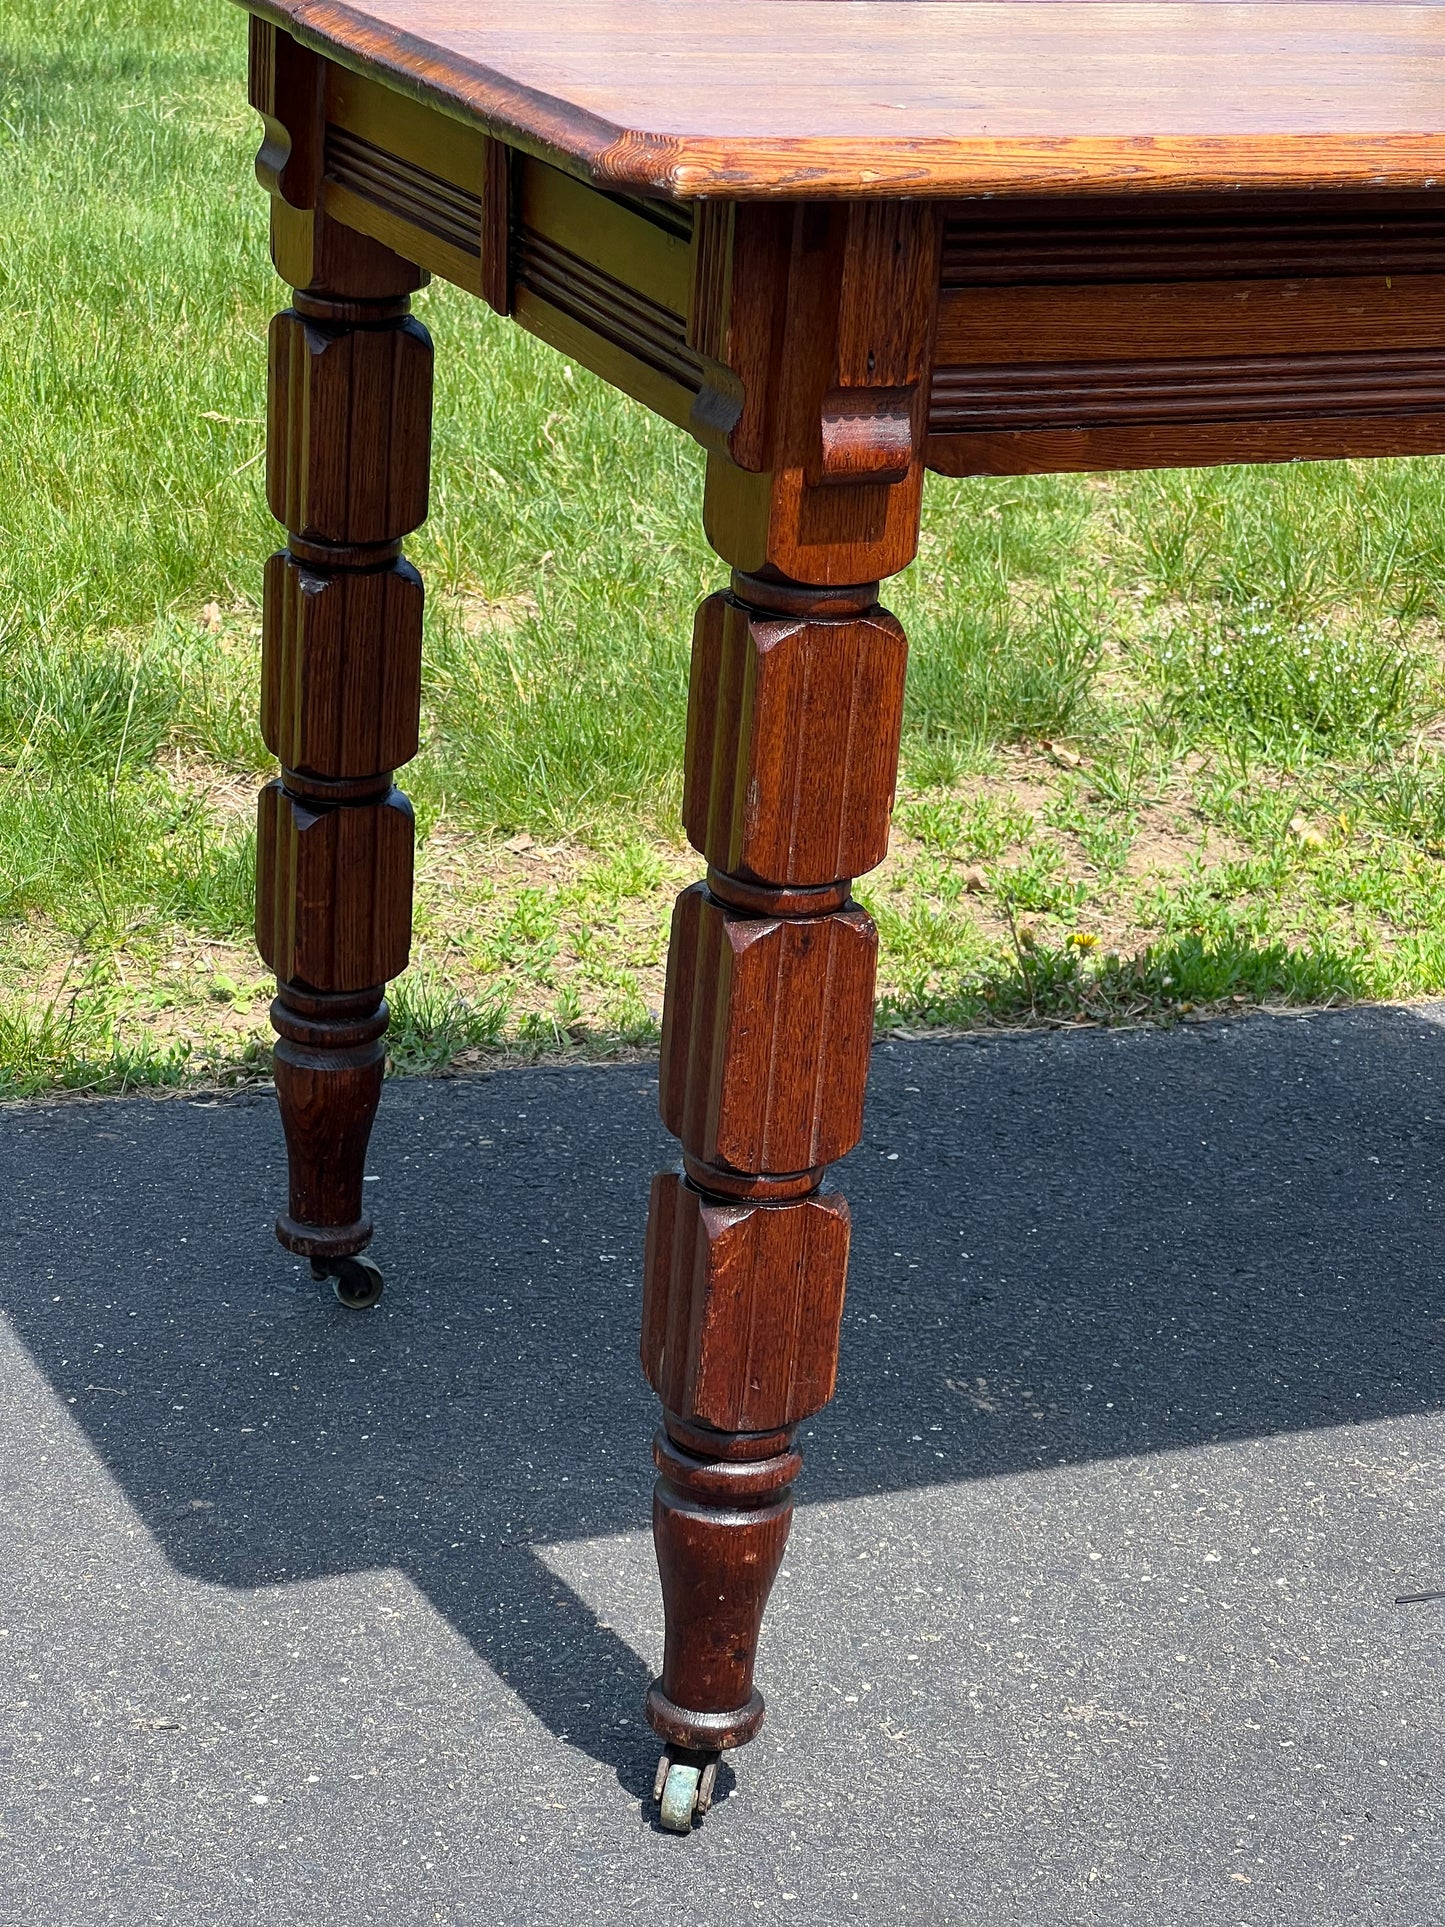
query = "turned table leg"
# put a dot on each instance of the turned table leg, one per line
(349, 410)
(793, 725)
(822, 316)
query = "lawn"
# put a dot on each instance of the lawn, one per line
(1173, 741)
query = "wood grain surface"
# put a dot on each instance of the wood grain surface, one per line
(1017, 242)
(1096, 451)
(749, 98)
(765, 1032)
(741, 1305)
(1172, 320)
(792, 733)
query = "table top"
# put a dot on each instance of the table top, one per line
(751, 98)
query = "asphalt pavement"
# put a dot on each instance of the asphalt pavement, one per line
(316, 1618)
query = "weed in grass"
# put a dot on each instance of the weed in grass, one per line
(78, 706)
(934, 957)
(1069, 983)
(1106, 845)
(977, 828)
(1038, 884)
(1104, 839)
(944, 760)
(1126, 780)
(1405, 799)
(1288, 687)
(635, 869)
(217, 669)
(1068, 809)
(526, 941)
(990, 673)
(432, 1024)
(625, 1016)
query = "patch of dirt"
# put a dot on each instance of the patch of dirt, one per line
(478, 615)
(1167, 843)
(227, 794)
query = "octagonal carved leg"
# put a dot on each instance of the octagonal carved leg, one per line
(793, 724)
(349, 413)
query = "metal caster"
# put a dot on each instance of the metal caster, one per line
(683, 1787)
(356, 1281)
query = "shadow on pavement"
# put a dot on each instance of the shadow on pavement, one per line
(1066, 1247)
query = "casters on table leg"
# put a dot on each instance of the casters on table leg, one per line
(357, 1282)
(683, 1787)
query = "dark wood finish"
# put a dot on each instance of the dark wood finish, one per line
(497, 195)
(341, 673)
(287, 87)
(1217, 388)
(771, 701)
(851, 519)
(333, 885)
(816, 325)
(1170, 330)
(329, 1061)
(1294, 313)
(644, 245)
(348, 433)
(344, 389)
(409, 178)
(1167, 320)
(607, 279)
(838, 244)
(590, 315)
(1067, 241)
(741, 1306)
(765, 1034)
(720, 1521)
(1088, 451)
(736, 315)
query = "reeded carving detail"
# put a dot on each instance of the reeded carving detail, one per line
(349, 429)
(792, 742)
(741, 1306)
(333, 889)
(765, 1034)
(341, 667)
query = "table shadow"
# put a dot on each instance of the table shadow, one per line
(1066, 1247)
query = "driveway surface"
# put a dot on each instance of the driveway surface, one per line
(315, 1618)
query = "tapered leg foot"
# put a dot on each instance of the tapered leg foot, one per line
(721, 1511)
(329, 1061)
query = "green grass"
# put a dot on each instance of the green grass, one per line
(1172, 740)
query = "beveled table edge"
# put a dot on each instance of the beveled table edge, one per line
(699, 167)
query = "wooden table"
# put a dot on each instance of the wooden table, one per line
(839, 242)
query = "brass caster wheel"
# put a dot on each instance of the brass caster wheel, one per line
(357, 1282)
(683, 1787)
